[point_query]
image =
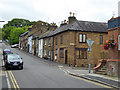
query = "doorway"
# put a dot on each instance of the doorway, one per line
(66, 56)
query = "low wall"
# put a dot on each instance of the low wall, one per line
(113, 67)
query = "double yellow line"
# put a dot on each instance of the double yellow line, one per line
(14, 82)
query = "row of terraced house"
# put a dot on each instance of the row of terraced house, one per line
(67, 43)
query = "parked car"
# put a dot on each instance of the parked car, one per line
(0, 41)
(13, 61)
(15, 46)
(6, 51)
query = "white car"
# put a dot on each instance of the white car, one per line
(0, 41)
(15, 46)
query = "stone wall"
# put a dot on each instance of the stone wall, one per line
(113, 67)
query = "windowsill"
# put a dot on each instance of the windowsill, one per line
(81, 58)
(82, 42)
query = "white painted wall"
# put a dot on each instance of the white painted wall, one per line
(40, 52)
(30, 43)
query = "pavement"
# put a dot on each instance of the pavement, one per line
(113, 82)
(0, 66)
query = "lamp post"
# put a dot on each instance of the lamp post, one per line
(90, 42)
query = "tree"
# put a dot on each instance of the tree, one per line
(6, 32)
(15, 33)
(11, 28)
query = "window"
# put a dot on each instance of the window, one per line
(49, 40)
(45, 42)
(61, 52)
(49, 53)
(56, 51)
(56, 41)
(101, 39)
(61, 39)
(81, 53)
(82, 38)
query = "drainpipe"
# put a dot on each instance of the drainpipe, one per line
(53, 49)
(75, 50)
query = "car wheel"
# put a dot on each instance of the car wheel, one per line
(21, 67)
(6, 67)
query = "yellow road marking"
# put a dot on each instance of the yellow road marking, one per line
(15, 84)
(90, 81)
(12, 79)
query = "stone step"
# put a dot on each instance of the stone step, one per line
(102, 73)
(101, 70)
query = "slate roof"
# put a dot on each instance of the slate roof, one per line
(24, 34)
(83, 26)
(51, 33)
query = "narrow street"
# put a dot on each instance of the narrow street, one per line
(37, 73)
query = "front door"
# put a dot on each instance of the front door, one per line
(65, 56)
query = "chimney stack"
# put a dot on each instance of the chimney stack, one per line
(53, 26)
(71, 18)
(63, 23)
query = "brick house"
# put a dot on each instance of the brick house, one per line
(38, 29)
(47, 42)
(23, 39)
(70, 46)
(113, 63)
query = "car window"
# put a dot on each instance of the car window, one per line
(7, 50)
(13, 57)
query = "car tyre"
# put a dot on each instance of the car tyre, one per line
(20, 67)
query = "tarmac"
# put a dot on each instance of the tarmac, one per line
(79, 72)
(83, 72)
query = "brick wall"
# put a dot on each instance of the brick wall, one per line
(69, 44)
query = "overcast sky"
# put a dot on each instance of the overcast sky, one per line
(58, 10)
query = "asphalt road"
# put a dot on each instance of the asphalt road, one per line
(38, 74)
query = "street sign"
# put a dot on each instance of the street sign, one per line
(89, 53)
(90, 42)
(89, 49)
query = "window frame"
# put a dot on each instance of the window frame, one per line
(56, 41)
(101, 41)
(49, 53)
(84, 56)
(45, 42)
(56, 51)
(61, 39)
(82, 36)
(62, 52)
